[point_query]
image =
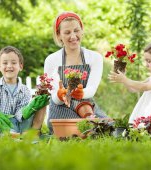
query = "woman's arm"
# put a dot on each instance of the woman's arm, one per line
(96, 64)
(132, 85)
(51, 68)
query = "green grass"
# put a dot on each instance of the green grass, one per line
(103, 153)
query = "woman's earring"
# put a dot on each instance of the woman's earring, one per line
(62, 42)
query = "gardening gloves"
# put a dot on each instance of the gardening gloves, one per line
(62, 91)
(78, 92)
(36, 104)
(5, 123)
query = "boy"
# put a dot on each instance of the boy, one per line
(14, 96)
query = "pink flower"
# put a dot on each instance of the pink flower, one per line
(45, 83)
(75, 73)
(145, 120)
(84, 75)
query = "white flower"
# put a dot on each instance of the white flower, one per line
(124, 133)
(141, 125)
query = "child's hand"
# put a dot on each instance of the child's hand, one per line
(117, 78)
(5, 123)
(36, 104)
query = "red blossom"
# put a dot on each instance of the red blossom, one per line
(109, 53)
(120, 52)
(120, 47)
(132, 57)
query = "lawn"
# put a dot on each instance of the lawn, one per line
(74, 154)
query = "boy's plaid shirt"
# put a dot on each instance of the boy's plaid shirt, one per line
(13, 103)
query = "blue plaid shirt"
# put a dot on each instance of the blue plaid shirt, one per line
(13, 103)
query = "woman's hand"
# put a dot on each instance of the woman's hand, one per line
(62, 91)
(78, 92)
(117, 78)
(62, 94)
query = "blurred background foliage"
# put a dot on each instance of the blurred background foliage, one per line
(27, 25)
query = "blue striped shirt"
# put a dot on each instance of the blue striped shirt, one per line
(13, 103)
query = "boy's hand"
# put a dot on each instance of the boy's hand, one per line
(5, 123)
(78, 92)
(36, 104)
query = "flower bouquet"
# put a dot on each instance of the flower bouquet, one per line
(121, 55)
(74, 78)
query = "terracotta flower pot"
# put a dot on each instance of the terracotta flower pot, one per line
(39, 118)
(84, 109)
(65, 127)
(14, 135)
(119, 65)
(68, 127)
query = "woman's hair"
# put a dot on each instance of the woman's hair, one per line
(148, 48)
(9, 49)
(65, 16)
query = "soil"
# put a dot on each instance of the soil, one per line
(119, 65)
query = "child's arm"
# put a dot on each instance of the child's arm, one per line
(132, 85)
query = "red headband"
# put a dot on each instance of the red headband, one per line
(66, 15)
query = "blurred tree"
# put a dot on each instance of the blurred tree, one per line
(14, 9)
(138, 16)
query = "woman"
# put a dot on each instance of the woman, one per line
(68, 33)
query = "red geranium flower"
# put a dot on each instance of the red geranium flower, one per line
(120, 52)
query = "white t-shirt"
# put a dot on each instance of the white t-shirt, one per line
(143, 106)
(94, 59)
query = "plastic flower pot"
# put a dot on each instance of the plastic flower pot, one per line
(118, 131)
(119, 65)
(84, 109)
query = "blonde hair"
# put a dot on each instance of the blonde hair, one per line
(56, 31)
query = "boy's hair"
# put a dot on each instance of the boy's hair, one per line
(9, 49)
(148, 48)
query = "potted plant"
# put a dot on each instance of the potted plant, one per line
(69, 127)
(121, 55)
(74, 77)
(43, 88)
(96, 127)
(120, 124)
(65, 127)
